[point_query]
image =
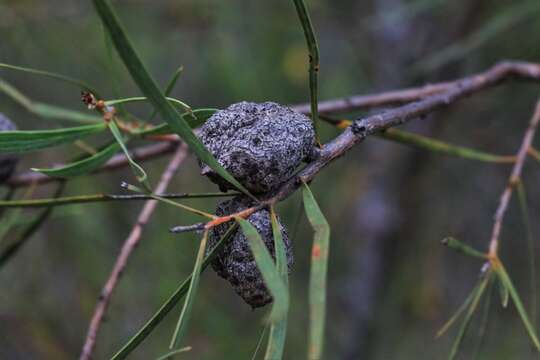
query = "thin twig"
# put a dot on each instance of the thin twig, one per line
(502, 71)
(94, 198)
(512, 69)
(143, 153)
(374, 124)
(513, 180)
(129, 245)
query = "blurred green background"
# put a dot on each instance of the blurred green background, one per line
(391, 283)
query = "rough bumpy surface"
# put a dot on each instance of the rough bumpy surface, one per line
(7, 161)
(259, 144)
(235, 262)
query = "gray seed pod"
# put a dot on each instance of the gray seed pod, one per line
(8, 162)
(235, 262)
(259, 144)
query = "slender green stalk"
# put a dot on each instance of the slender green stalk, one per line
(463, 248)
(313, 50)
(183, 320)
(318, 274)
(507, 282)
(441, 147)
(433, 145)
(168, 201)
(92, 198)
(139, 172)
(185, 106)
(278, 330)
(171, 302)
(522, 196)
(169, 88)
(45, 110)
(51, 75)
(478, 292)
(170, 354)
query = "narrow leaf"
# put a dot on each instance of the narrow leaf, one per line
(89, 198)
(45, 110)
(313, 50)
(317, 281)
(522, 197)
(171, 302)
(457, 314)
(195, 119)
(174, 352)
(507, 282)
(50, 75)
(139, 172)
(272, 278)
(437, 146)
(477, 295)
(30, 140)
(504, 294)
(462, 248)
(278, 331)
(183, 320)
(483, 320)
(150, 89)
(170, 87)
(84, 166)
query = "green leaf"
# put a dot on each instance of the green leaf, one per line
(180, 103)
(170, 87)
(45, 110)
(476, 296)
(167, 201)
(81, 199)
(484, 319)
(150, 89)
(67, 79)
(317, 281)
(278, 331)
(171, 302)
(84, 166)
(174, 352)
(139, 172)
(183, 320)
(272, 278)
(504, 294)
(522, 197)
(23, 141)
(448, 324)
(195, 119)
(437, 146)
(313, 50)
(507, 282)
(462, 248)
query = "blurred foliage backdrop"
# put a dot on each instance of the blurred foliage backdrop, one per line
(391, 284)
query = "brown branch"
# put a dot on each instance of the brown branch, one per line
(129, 245)
(503, 71)
(364, 127)
(520, 70)
(513, 180)
(143, 153)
